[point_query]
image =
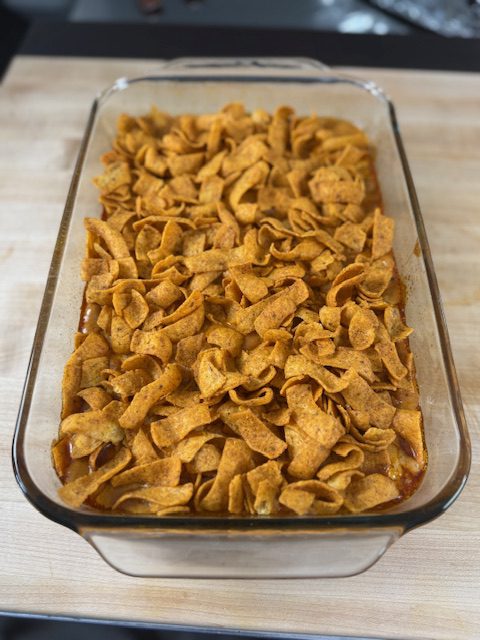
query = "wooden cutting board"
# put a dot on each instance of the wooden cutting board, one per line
(428, 584)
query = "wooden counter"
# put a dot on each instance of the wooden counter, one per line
(428, 584)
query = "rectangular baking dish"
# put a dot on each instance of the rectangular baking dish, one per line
(247, 547)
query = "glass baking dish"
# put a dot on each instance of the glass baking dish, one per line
(248, 547)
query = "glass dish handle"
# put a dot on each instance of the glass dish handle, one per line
(275, 67)
(244, 64)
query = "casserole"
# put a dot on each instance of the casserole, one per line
(212, 546)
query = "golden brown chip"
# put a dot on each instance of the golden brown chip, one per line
(408, 424)
(188, 448)
(188, 349)
(130, 382)
(311, 497)
(362, 329)
(389, 355)
(383, 228)
(113, 239)
(236, 458)
(269, 472)
(116, 175)
(302, 366)
(360, 396)
(96, 424)
(366, 493)
(136, 312)
(324, 429)
(121, 335)
(159, 496)
(253, 176)
(174, 428)
(346, 358)
(353, 459)
(142, 449)
(255, 433)
(266, 502)
(343, 285)
(187, 326)
(76, 492)
(278, 309)
(61, 457)
(252, 287)
(394, 324)
(351, 235)
(256, 399)
(236, 495)
(149, 395)
(92, 371)
(164, 472)
(95, 397)
(206, 460)
(154, 342)
(164, 294)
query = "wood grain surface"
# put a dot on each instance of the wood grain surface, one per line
(428, 584)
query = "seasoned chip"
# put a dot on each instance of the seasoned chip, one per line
(408, 424)
(206, 460)
(389, 355)
(95, 397)
(116, 175)
(154, 342)
(252, 287)
(344, 283)
(255, 433)
(130, 382)
(236, 495)
(136, 311)
(165, 472)
(278, 309)
(185, 327)
(149, 395)
(159, 496)
(253, 176)
(394, 324)
(113, 239)
(353, 459)
(95, 424)
(164, 294)
(142, 449)
(256, 399)
(92, 371)
(362, 329)
(174, 428)
(236, 458)
(382, 234)
(351, 235)
(266, 499)
(121, 335)
(324, 429)
(188, 349)
(188, 448)
(360, 396)
(269, 472)
(76, 492)
(301, 366)
(311, 497)
(366, 493)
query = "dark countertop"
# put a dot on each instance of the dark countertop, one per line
(420, 51)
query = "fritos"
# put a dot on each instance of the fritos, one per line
(246, 351)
